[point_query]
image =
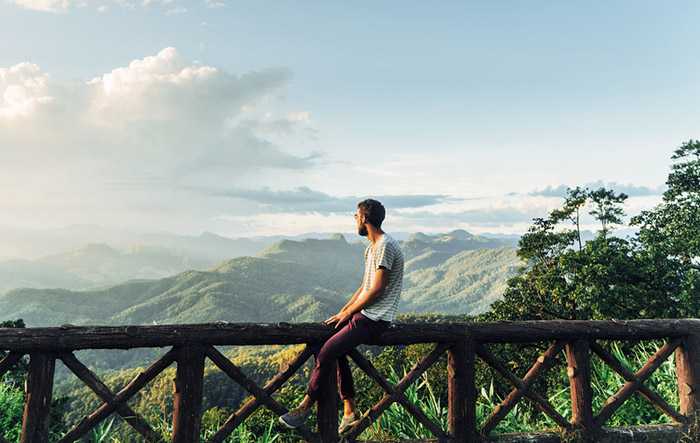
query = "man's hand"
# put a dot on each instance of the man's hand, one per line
(332, 319)
(338, 319)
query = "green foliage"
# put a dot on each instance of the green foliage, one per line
(671, 230)
(11, 407)
(606, 277)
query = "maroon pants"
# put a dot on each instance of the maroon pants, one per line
(358, 329)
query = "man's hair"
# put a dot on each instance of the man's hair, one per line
(374, 212)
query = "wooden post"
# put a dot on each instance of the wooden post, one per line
(688, 374)
(461, 415)
(37, 404)
(327, 408)
(187, 399)
(579, 371)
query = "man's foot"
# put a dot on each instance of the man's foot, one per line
(295, 418)
(348, 422)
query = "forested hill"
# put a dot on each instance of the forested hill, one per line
(290, 281)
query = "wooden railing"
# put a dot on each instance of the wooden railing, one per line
(191, 345)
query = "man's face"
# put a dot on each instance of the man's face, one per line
(360, 222)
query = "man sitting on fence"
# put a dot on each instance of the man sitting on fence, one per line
(368, 313)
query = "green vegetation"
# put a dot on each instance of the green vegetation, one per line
(292, 281)
(553, 275)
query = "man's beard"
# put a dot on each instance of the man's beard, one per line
(362, 230)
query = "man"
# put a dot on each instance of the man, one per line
(370, 310)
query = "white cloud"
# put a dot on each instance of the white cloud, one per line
(160, 122)
(45, 5)
(56, 6)
(24, 88)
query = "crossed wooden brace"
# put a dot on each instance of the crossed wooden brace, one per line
(260, 395)
(114, 402)
(117, 402)
(522, 386)
(634, 382)
(396, 393)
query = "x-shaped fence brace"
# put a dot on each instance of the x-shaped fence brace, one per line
(114, 402)
(261, 396)
(634, 382)
(117, 402)
(396, 393)
(522, 386)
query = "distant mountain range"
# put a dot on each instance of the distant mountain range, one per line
(95, 265)
(291, 280)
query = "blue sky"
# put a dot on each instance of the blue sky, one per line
(477, 104)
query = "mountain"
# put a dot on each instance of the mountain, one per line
(30, 274)
(101, 264)
(32, 244)
(289, 281)
(468, 282)
(424, 251)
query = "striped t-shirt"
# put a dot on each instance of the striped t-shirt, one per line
(387, 254)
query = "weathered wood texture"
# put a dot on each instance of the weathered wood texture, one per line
(462, 341)
(628, 375)
(544, 362)
(70, 338)
(688, 374)
(398, 390)
(141, 380)
(461, 392)
(249, 385)
(578, 360)
(187, 398)
(270, 387)
(327, 407)
(630, 387)
(631, 434)
(398, 395)
(37, 406)
(540, 402)
(102, 391)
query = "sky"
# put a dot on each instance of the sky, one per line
(275, 118)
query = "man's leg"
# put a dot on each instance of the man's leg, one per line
(345, 386)
(358, 330)
(349, 336)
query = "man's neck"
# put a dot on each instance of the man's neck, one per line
(373, 235)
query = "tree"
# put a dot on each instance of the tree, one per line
(671, 230)
(606, 277)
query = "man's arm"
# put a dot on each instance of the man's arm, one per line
(352, 299)
(361, 298)
(336, 317)
(365, 298)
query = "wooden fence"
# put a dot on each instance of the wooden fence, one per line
(191, 345)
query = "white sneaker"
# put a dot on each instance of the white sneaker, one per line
(294, 418)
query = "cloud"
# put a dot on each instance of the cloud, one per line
(59, 6)
(484, 217)
(24, 89)
(161, 113)
(160, 123)
(629, 189)
(305, 200)
(45, 5)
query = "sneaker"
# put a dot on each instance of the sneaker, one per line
(348, 422)
(294, 418)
